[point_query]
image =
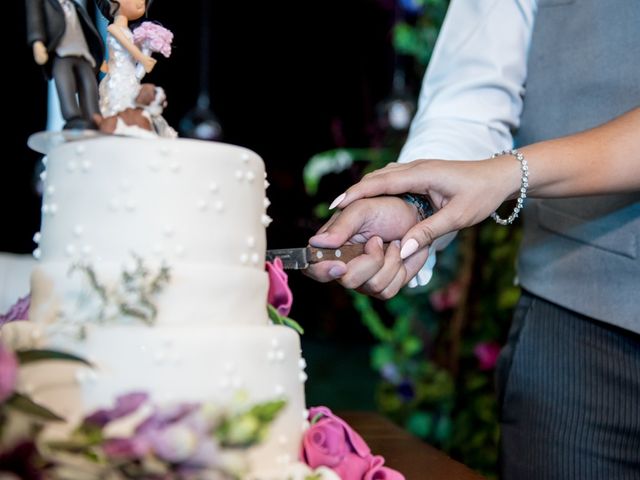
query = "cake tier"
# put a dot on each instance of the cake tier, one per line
(177, 364)
(194, 295)
(175, 200)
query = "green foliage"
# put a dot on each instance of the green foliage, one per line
(278, 319)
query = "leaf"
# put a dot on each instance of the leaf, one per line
(278, 319)
(29, 356)
(27, 406)
(420, 423)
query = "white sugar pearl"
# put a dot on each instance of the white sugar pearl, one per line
(213, 187)
(282, 439)
(114, 204)
(70, 250)
(271, 355)
(37, 237)
(168, 230)
(165, 150)
(80, 149)
(86, 166)
(45, 208)
(51, 190)
(302, 377)
(130, 205)
(43, 176)
(266, 220)
(237, 382)
(266, 184)
(202, 205)
(78, 230)
(255, 258)
(280, 355)
(245, 157)
(251, 242)
(125, 185)
(250, 176)
(53, 208)
(175, 167)
(267, 202)
(279, 390)
(154, 166)
(87, 249)
(302, 363)
(229, 367)
(179, 250)
(239, 175)
(37, 253)
(219, 205)
(244, 258)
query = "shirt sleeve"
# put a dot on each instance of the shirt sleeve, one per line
(471, 96)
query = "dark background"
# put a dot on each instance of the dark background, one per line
(288, 80)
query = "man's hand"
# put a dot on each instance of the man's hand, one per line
(371, 221)
(40, 54)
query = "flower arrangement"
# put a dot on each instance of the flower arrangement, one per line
(152, 37)
(280, 298)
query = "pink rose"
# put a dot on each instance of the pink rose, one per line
(8, 372)
(332, 443)
(487, 354)
(446, 298)
(280, 296)
(19, 311)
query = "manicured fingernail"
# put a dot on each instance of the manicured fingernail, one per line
(379, 242)
(337, 271)
(409, 248)
(337, 201)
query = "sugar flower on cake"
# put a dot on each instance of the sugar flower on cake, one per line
(279, 296)
(19, 311)
(331, 442)
(152, 37)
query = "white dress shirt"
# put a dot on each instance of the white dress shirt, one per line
(471, 96)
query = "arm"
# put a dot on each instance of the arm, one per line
(36, 34)
(602, 160)
(119, 35)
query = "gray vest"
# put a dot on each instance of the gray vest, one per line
(583, 70)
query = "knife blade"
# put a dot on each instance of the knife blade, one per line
(301, 258)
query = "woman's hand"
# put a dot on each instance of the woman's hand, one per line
(463, 193)
(148, 63)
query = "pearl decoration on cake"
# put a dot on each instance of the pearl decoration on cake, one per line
(251, 241)
(37, 253)
(78, 230)
(278, 390)
(71, 166)
(302, 377)
(53, 209)
(37, 237)
(266, 220)
(130, 205)
(43, 175)
(86, 249)
(239, 175)
(114, 204)
(213, 187)
(302, 363)
(266, 184)
(80, 149)
(168, 231)
(51, 190)
(44, 209)
(244, 258)
(70, 250)
(245, 157)
(255, 258)
(267, 202)
(153, 165)
(219, 206)
(86, 166)
(283, 459)
(250, 176)
(175, 167)
(202, 205)
(125, 185)
(180, 250)
(282, 439)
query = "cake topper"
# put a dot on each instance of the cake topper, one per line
(126, 106)
(67, 44)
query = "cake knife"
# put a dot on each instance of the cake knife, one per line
(301, 258)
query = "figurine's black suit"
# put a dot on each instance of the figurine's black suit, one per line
(73, 75)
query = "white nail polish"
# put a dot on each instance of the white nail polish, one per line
(337, 201)
(409, 248)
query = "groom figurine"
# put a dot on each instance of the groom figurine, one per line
(67, 44)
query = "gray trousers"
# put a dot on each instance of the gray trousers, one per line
(75, 75)
(569, 397)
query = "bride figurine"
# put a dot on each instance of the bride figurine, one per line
(119, 88)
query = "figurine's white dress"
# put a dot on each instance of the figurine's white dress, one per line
(119, 88)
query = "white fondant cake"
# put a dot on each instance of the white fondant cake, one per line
(112, 205)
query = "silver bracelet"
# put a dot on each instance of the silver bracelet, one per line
(524, 185)
(422, 204)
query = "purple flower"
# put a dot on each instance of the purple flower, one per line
(125, 405)
(390, 373)
(19, 311)
(131, 448)
(8, 372)
(406, 390)
(412, 6)
(487, 354)
(279, 296)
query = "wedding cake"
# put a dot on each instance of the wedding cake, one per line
(152, 267)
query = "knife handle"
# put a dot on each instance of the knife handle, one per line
(345, 253)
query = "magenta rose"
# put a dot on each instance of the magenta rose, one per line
(332, 443)
(19, 311)
(8, 372)
(280, 296)
(487, 354)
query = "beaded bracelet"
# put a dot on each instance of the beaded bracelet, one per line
(524, 184)
(422, 204)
